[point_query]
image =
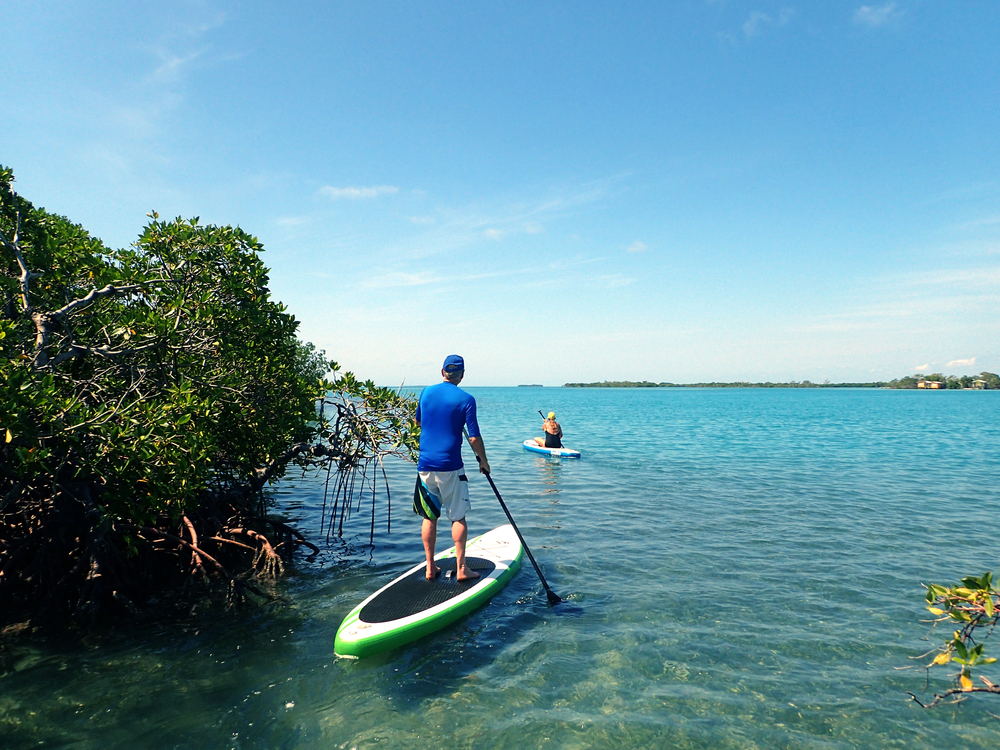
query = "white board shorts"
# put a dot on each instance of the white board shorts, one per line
(450, 489)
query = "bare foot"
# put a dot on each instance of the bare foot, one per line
(468, 574)
(433, 573)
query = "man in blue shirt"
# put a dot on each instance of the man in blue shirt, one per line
(442, 411)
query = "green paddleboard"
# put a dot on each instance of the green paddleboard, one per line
(410, 606)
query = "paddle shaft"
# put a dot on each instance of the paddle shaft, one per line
(551, 595)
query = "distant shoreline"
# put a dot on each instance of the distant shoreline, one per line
(987, 381)
(647, 384)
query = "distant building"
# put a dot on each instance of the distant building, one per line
(979, 384)
(932, 384)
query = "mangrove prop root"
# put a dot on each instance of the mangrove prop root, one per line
(267, 559)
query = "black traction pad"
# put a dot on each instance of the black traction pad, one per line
(415, 593)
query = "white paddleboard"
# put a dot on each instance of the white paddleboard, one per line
(563, 452)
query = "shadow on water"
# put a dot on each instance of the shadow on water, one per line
(151, 685)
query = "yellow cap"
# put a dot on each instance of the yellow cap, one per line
(552, 415)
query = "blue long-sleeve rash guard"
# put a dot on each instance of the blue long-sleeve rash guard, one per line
(442, 411)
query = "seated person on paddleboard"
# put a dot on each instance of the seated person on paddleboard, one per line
(442, 412)
(553, 433)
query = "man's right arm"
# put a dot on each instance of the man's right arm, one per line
(480, 450)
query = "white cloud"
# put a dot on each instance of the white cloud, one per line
(637, 247)
(172, 67)
(960, 279)
(758, 19)
(922, 368)
(752, 23)
(398, 279)
(971, 362)
(613, 281)
(875, 15)
(354, 193)
(465, 227)
(986, 221)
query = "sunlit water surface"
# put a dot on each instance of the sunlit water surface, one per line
(743, 570)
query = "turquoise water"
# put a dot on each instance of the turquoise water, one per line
(744, 568)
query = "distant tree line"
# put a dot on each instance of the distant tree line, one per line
(986, 380)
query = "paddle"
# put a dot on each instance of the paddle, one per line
(552, 596)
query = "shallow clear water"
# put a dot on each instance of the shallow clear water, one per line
(744, 570)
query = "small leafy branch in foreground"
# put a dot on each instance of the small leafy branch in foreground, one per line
(363, 425)
(974, 606)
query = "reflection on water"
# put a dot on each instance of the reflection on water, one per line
(745, 573)
(548, 472)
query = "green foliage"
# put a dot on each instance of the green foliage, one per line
(149, 391)
(991, 379)
(155, 372)
(985, 380)
(364, 423)
(973, 606)
(371, 415)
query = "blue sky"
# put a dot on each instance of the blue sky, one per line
(669, 191)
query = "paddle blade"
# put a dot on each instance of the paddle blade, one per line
(553, 597)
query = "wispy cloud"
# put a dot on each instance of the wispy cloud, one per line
(355, 193)
(173, 67)
(759, 20)
(142, 102)
(637, 247)
(875, 15)
(971, 362)
(399, 279)
(986, 221)
(291, 221)
(960, 278)
(453, 228)
(613, 281)
(922, 368)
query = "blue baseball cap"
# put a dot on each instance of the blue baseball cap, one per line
(453, 362)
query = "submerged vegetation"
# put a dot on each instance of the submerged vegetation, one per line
(149, 395)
